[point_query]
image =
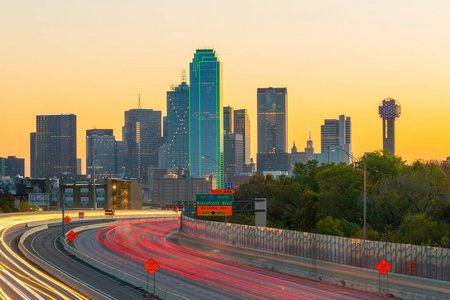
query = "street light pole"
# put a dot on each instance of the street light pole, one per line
(217, 170)
(353, 158)
(364, 202)
(186, 200)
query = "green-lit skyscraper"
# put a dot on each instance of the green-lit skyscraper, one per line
(206, 116)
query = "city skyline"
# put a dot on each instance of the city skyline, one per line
(93, 59)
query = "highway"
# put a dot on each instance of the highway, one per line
(194, 274)
(18, 278)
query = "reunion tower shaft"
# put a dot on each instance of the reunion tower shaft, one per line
(389, 110)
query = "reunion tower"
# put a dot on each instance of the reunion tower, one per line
(389, 110)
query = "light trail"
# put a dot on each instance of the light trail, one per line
(24, 280)
(142, 241)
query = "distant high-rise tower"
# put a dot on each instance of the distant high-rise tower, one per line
(242, 127)
(56, 145)
(309, 150)
(12, 166)
(120, 159)
(100, 152)
(337, 133)
(389, 110)
(177, 130)
(228, 120)
(142, 137)
(272, 120)
(233, 158)
(206, 116)
(272, 130)
(33, 155)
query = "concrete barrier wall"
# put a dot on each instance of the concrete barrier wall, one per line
(403, 286)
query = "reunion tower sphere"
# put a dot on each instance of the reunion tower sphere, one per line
(389, 110)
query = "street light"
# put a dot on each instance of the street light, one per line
(217, 169)
(353, 159)
(187, 177)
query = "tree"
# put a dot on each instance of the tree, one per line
(257, 187)
(380, 164)
(340, 193)
(305, 174)
(419, 188)
(6, 201)
(285, 200)
(420, 229)
(307, 215)
(329, 226)
(23, 205)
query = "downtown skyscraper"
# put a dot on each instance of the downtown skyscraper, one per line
(272, 130)
(100, 153)
(54, 146)
(272, 120)
(337, 133)
(142, 137)
(242, 127)
(177, 128)
(206, 116)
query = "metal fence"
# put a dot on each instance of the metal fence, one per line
(421, 261)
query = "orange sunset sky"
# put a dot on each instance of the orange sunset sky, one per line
(93, 58)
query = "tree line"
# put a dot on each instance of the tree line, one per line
(405, 203)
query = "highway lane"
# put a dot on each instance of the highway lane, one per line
(44, 244)
(18, 278)
(194, 274)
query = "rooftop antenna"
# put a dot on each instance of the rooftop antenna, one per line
(139, 103)
(309, 131)
(183, 76)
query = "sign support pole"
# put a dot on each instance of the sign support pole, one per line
(147, 282)
(62, 200)
(154, 283)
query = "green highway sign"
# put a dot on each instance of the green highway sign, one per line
(214, 199)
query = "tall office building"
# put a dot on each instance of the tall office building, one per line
(389, 110)
(12, 166)
(337, 132)
(242, 127)
(228, 120)
(206, 116)
(142, 137)
(177, 132)
(33, 154)
(96, 131)
(120, 159)
(272, 130)
(79, 168)
(56, 145)
(164, 130)
(272, 120)
(100, 153)
(233, 156)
